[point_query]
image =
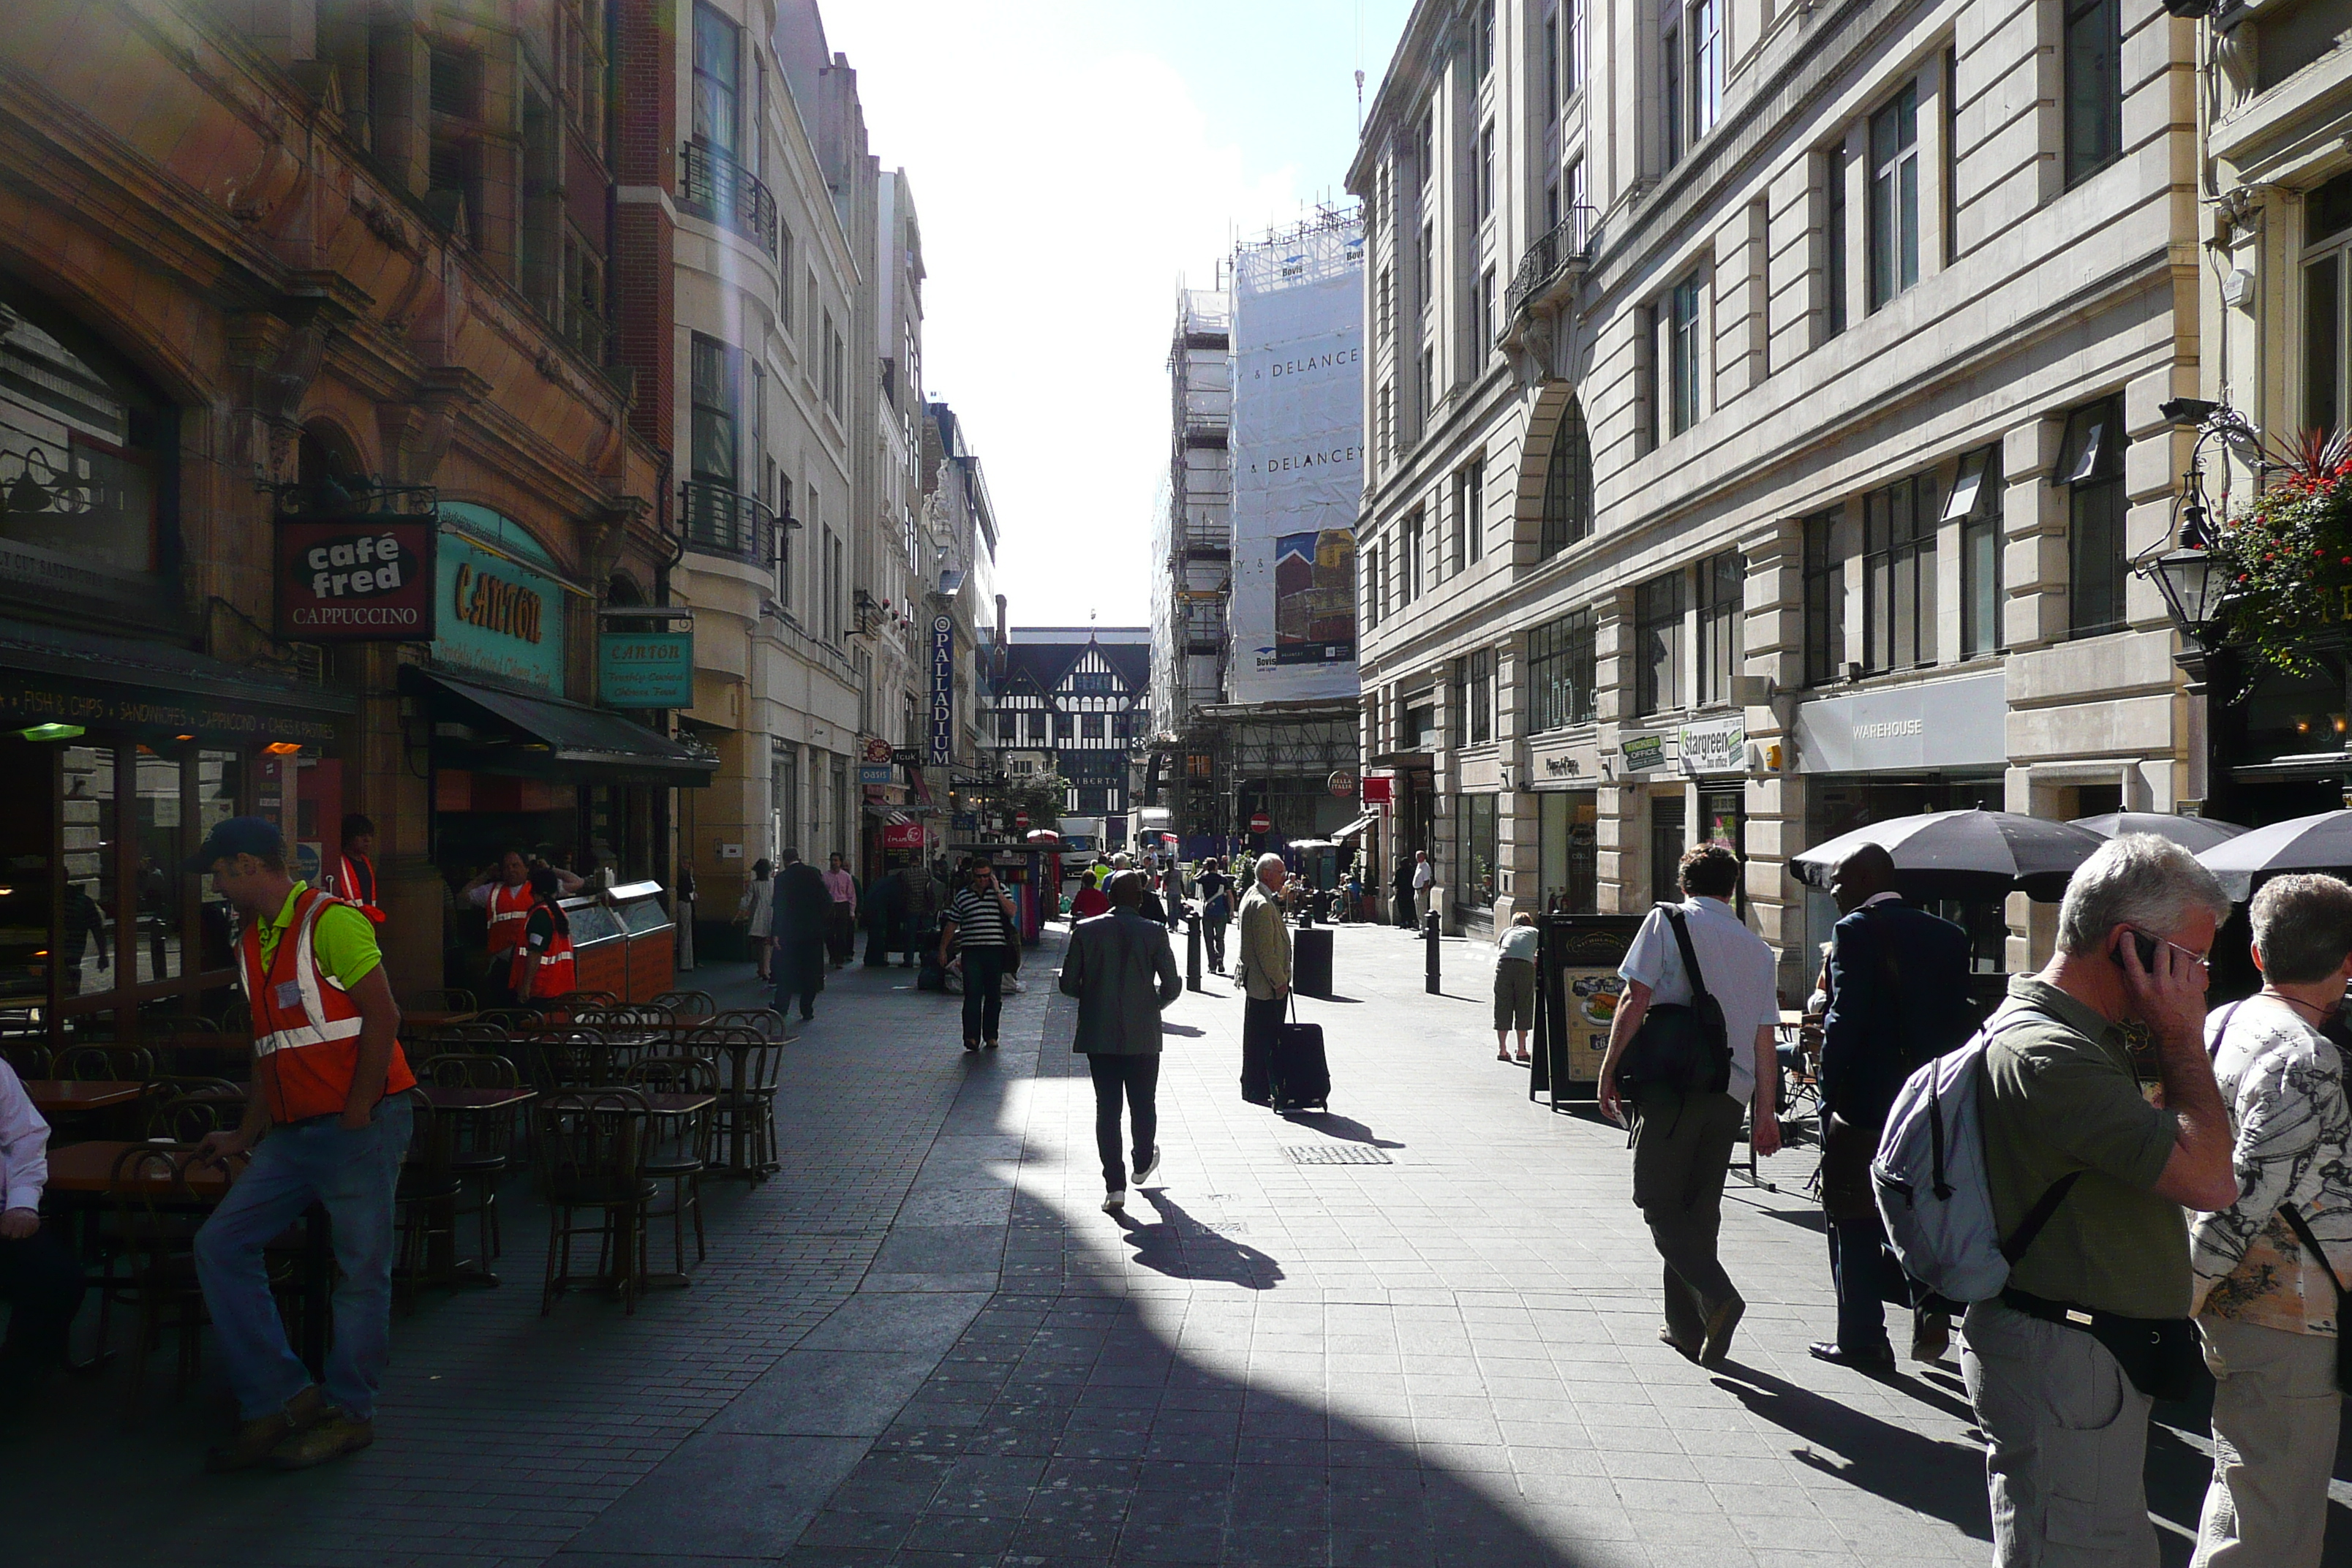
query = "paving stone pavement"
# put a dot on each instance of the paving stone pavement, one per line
(923, 1345)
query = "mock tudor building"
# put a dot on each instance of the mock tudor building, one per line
(1763, 412)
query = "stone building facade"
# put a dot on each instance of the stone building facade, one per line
(1763, 404)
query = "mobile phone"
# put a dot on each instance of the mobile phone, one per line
(2147, 946)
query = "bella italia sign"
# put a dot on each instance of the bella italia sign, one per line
(497, 616)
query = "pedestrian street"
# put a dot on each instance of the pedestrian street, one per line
(1418, 1329)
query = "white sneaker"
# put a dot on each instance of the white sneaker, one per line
(1114, 1202)
(1143, 1171)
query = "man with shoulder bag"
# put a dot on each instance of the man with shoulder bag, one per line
(1897, 996)
(1691, 1043)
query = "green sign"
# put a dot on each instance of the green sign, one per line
(499, 616)
(1645, 752)
(646, 669)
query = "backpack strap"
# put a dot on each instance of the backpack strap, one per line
(2296, 1222)
(1690, 956)
(2029, 1228)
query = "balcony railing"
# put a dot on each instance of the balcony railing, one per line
(1567, 245)
(730, 193)
(719, 520)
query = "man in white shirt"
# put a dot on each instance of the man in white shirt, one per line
(39, 1277)
(1424, 874)
(1682, 1142)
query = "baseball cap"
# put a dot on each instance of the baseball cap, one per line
(234, 836)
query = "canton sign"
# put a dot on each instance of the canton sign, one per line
(942, 732)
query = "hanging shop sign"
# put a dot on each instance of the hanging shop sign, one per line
(1715, 746)
(1378, 788)
(902, 835)
(501, 618)
(1643, 753)
(876, 774)
(646, 669)
(356, 579)
(942, 733)
(874, 751)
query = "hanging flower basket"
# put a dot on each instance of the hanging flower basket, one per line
(2289, 553)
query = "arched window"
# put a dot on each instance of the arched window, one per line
(1567, 485)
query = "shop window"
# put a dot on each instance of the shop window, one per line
(1562, 668)
(784, 801)
(1475, 818)
(1090, 727)
(2093, 46)
(716, 90)
(1894, 196)
(1658, 645)
(1567, 485)
(1833, 240)
(1473, 697)
(2091, 466)
(1898, 544)
(1722, 588)
(157, 951)
(713, 435)
(1975, 505)
(1683, 356)
(1568, 851)
(86, 952)
(1666, 845)
(2328, 305)
(1824, 600)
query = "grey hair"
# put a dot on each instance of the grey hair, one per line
(1266, 862)
(2136, 879)
(2303, 927)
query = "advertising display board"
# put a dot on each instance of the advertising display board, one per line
(1298, 461)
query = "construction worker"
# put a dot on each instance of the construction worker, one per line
(503, 893)
(354, 880)
(542, 959)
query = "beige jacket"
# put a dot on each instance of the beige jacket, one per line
(1266, 945)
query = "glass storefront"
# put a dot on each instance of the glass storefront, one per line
(1568, 851)
(1474, 822)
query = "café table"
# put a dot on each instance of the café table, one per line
(418, 1020)
(442, 1264)
(83, 1175)
(58, 1096)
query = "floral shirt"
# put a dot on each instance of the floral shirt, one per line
(2284, 1086)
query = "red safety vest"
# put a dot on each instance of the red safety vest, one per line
(306, 1029)
(508, 908)
(355, 885)
(555, 974)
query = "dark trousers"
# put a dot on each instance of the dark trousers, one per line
(1402, 903)
(1212, 933)
(983, 991)
(840, 933)
(882, 939)
(1137, 1077)
(1866, 1279)
(42, 1285)
(1682, 1152)
(1260, 1019)
(799, 969)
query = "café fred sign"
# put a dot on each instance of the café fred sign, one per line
(501, 617)
(646, 669)
(356, 580)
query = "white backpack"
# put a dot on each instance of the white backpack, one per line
(1930, 1179)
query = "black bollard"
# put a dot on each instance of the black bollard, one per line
(1429, 934)
(1193, 953)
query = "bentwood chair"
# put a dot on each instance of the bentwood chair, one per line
(155, 1219)
(590, 1147)
(97, 1064)
(681, 1146)
(686, 1004)
(30, 1057)
(747, 1095)
(569, 1058)
(481, 1144)
(766, 1022)
(183, 1110)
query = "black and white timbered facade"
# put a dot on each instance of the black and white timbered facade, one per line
(1075, 701)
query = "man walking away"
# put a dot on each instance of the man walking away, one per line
(1123, 973)
(327, 1121)
(2066, 1428)
(841, 920)
(1265, 974)
(1898, 996)
(979, 918)
(1216, 891)
(799, 915)
(2269, 1321)
(1682, 1143)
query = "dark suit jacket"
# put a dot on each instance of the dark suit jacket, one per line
(1898, 996)
(1122, 971)
(802, 904)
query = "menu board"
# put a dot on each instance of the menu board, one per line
(1592, 993)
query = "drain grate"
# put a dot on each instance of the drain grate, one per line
(1339, 1155)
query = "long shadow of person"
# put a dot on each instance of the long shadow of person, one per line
(1944, 1481)
(1183, 1248)
(1346, 1127)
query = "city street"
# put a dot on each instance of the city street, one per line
(1418, 1329)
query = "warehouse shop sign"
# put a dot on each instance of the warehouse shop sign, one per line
(501, 618)
(351, 581)
(1960, 723)
(646, 669)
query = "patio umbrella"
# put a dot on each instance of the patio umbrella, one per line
(1312, 844)
(1963, 854)
(2194, 834)
(2321, 843)
(1043, 836)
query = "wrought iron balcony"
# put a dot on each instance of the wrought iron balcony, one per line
(720, 521)
(1559, 254)
(729, 193)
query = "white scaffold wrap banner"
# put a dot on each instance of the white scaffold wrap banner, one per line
(1298, 460)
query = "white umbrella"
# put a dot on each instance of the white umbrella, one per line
(2321, 843)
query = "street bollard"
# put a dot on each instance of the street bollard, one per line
(1429, 934)
(1193, 953)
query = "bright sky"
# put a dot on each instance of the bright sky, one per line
(1073, 161)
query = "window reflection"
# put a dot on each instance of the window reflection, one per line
(25, 878)
(220, 794)
(155, 881)
(85, 813)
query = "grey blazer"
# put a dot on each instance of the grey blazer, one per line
(1266, 945)
(1111, 967)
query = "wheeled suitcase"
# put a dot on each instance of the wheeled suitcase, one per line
(1299, 1075)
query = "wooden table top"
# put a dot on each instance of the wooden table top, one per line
(679, 1104)
(441, 1099)
(53, 1095)
(434, 1017)
(90, 1168)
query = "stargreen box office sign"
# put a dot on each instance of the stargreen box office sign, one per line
(646, 669)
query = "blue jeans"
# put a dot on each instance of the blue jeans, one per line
(354, 1176)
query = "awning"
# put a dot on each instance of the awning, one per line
(51, 675)
(1354, 827)
(568, 738)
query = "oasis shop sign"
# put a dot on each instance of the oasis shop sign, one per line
(499, 618)
(356, 580)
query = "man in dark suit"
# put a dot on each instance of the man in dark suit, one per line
(1898, 996)
(799, 920)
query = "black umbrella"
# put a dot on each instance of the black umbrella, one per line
(2320, 843)
(1963, 854)
(2194, 834)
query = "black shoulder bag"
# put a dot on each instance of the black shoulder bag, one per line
(1682, 1047)
(2296, 1222)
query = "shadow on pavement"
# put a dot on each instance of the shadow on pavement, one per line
(1183, 1247)
(1944, 1481)
(1344, 1127)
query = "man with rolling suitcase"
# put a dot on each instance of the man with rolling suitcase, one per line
(1264, 971)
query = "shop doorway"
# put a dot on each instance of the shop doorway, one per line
(1667, 841)
(1568, 851)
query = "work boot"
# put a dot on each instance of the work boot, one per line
(256, 1439)
(330, 1440)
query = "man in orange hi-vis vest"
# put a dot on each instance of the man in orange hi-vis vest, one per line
(502, 892)
(327, 1120)
(355, 879)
